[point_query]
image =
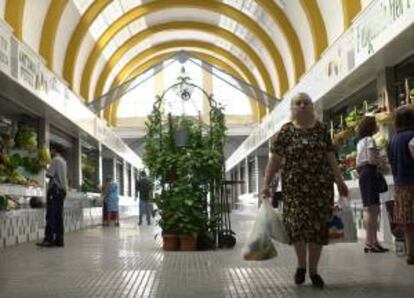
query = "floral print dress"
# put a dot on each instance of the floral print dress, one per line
(307, 181)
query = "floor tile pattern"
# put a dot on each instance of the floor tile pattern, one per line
(128, 262)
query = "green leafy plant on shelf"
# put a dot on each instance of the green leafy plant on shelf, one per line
(89, 174)
(20, 157)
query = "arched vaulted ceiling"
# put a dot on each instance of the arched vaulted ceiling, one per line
(91, 43)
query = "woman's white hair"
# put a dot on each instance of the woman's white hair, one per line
(300, 96)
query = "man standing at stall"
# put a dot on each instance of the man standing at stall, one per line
(56, 193)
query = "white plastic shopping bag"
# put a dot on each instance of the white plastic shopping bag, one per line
(259, 244)
(343, 227)
(275, 223)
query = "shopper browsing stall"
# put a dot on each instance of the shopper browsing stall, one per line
(56, 193)
(367, 163)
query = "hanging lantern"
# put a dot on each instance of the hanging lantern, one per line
(183, 89)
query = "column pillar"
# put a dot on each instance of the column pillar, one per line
(208, 87)
(77, 160)
(44, 141)
(125, 173)
(114, 162)
(386, 92)
(100, 165)
(246, 174)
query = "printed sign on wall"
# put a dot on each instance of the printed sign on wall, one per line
(28, 67)
(5, 51)
(374, 28)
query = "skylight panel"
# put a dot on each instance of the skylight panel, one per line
(112, 12)
(82, 5)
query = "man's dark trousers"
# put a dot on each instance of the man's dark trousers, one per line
(54, 215)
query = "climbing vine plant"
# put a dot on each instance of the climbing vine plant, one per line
(186, 173)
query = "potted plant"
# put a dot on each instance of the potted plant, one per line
(167, 205)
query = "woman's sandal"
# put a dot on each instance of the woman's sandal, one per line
(376, 248)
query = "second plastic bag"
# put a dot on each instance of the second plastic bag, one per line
(343, 227)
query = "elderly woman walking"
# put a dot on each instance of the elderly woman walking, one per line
(309, 170)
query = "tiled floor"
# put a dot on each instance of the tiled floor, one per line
(128, 262)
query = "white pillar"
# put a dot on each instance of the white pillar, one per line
(100, 165)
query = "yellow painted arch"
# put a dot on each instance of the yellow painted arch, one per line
(350, 9)
(50, 26)
(14, 16)
(280, 18)
(317, 26)
(134, 40)
(78, 35)
(257, 109)
(142, 10)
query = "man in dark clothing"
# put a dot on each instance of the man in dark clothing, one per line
(56, 193)
(143, 187)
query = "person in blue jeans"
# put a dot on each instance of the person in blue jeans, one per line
(144, 187)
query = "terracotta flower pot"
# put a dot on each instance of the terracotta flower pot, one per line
(170, 242)
(188, 243)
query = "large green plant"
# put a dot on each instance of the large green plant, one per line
(186, 174)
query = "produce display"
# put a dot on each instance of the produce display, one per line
(89, 172)
(25, 139)
(8, 203)
(19, 156)
(343, 134)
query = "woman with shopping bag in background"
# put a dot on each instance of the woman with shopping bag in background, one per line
(367, 162)
(309, 170)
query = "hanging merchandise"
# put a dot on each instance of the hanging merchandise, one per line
(384, 113)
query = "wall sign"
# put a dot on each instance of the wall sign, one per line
(374, 27)
(28, 67)
(5, 51)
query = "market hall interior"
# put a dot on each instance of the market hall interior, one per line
(193, 92)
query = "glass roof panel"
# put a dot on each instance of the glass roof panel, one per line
(106, 18)
(257, 13)
(138, 102)
(82, 5)
(234, 101)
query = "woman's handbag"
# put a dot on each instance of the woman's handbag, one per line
(381, 183)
